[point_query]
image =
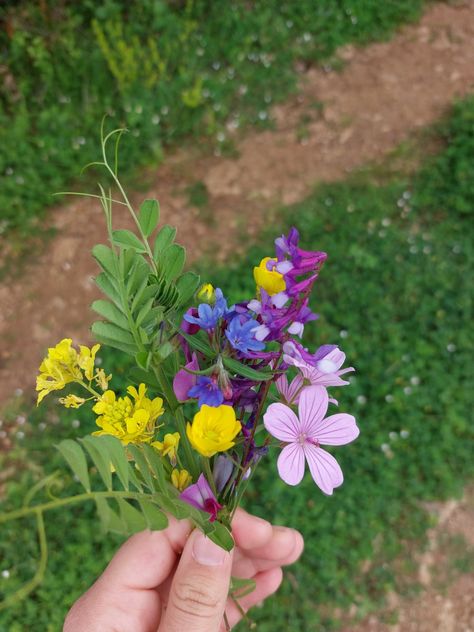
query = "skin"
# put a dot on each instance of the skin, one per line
(175, 579)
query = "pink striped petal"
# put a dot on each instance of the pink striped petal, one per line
(337, 429)
(324, 468)
(289, 392)
(282, 423)
(312, 407)
(291, 464)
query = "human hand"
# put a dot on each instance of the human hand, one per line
(176, 580)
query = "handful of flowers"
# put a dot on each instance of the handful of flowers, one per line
(215, 388)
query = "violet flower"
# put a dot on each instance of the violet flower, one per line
(208, 316)
(207, 391)
(200, 495)
(304, 435)
(242, 335)
(223, 468)
(326, 371)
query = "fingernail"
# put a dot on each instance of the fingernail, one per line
(207, 553)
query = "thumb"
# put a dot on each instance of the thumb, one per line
(200, 587)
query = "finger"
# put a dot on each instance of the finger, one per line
(147, 558)
(284, 548)
(199, 589)
(249, 531)
(267, 583)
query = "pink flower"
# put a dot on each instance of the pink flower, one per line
(326, 372)
(290, 392)
(200, 495)
(304, 435)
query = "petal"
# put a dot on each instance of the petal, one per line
(337, 429)
(324, 468)
(337, 356)
(312, 407)
(281, 422)
(293, 392)
(291, 464)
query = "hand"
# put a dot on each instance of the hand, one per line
(177, 580)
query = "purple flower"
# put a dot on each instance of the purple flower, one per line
(305, 434)
(200, 495)
(208, 316)
(184, 380)
(326, 371)
(207, 391)
(223, 468)
(242, 335)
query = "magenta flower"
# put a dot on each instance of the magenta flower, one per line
(184, 381)
(325, 372)
(305, 434)
(200, 496)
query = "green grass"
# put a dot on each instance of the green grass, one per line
(394, 293)
(169, 71)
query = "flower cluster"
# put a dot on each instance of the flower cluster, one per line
(212, 396)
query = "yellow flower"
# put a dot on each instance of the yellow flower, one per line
(72, 401)
(214, 429)
(181, 479)
(102, 380)
(86, 360)
(59, 368)
(269, 280)
(169, 446)
(130, 421)
(206, 294)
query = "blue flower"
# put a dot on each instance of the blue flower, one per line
(207, 391)
(208, 316)
(242, 335)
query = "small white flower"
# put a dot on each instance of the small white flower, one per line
(75, 423)
(408, 390)
(451, 348)
(393, 436)
(361, 399)
(415, 380)
(6, 573)
(389, 398)
(404, 434)
(343, 333)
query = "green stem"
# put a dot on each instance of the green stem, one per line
(71, 500)
(90, 389)
(210, 478)
(177, 411)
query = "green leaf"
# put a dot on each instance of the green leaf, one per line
(139, 273)
(105, 284)
(171, 261)
(139, 375)
(133, 519)
(149, 216)
(198, 344)
(129, 349)
(112, 332)
(156, 465)
(246, 371)
(221, 536)
(187, 284)
(143, 359)
(110, 521)
(165, 350)
(106, 258)
(127, 239)
(99, 458)
(144, 312)
(118, 458)
(155, 518)
(76, 460)
(143, 294)
(143, 467)
(111, 313)
(164, 238)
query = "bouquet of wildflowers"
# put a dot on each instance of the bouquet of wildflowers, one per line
(215, 387)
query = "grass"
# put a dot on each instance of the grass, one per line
(395, 294)
(169, 71)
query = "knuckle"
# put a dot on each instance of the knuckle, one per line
(195, 599)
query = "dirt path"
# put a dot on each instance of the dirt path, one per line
(384, 93)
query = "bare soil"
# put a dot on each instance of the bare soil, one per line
(337, 123)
